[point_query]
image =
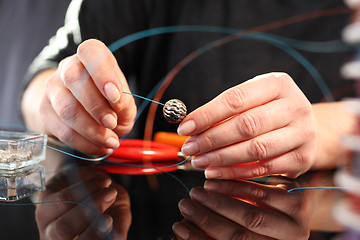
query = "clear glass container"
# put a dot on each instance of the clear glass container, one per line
(21, 183)
(21, 149)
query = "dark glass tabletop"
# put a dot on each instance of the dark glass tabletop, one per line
(79, 200)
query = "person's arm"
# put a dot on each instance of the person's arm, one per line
(30, 104)
(335, 121)
(262, 127)
(61, 102)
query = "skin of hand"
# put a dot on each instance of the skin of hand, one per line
(82, 101)
(265, 126)
(109, 202)
(243, 210)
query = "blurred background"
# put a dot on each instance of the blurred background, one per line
(25, 28)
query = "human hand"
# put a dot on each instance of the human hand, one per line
(83, 105)
(243, 210)
(262, 127)
(103, 207)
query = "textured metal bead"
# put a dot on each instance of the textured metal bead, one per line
(174, 111)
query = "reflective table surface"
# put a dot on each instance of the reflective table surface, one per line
(81, 202)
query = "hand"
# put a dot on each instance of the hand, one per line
(103, 207)
(262, 127)
(243, 210)
(82, 103)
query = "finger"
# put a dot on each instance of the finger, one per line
(75, 175)
(238, 99)
(74, 193)
(291, 164)
(66, 134)
(74, 115)
(244, 126)
(99, 63)
(213, 224)
(104, 70)
(78, 81)
(185, 230)
(271, 197)
(126, 116)
(121, 212)
(265, 146)
(77, 219)
(99, 230)
(256, 219)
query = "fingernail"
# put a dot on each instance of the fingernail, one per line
(112, 93)
(190, 148)
(109, 121)
(198, 194)
(187, 207)
(107, 151)
(112, 142)
(200, 162)
(180, 230)
(212, 173)
(105, 182)
(105, 223)
(110, 195)
(186, 128)
(212, 185)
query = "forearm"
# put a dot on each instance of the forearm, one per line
(31, 100)
(335, 121)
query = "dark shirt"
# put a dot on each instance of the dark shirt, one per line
(147, 61)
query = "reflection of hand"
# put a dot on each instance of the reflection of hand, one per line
(103, 207)
(252, 212)
(267, 118)
(81, 103)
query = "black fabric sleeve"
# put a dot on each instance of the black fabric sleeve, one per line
(106, 20)
(63, 44)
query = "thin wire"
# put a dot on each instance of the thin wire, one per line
(270, 26)
(142, 166)
(266, 27)
(14, 125)
(214, 29)
(178, 180)
(314, 188)
(70, 154)
(280, 42)
(58, 150)
(78, 157)
(276, 41)
(158, 168)
(147, 99)
(103, 158)
(309, 46)
(169, 29)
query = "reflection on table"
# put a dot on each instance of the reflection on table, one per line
(81, 201)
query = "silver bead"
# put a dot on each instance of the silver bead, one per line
(174, 111)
